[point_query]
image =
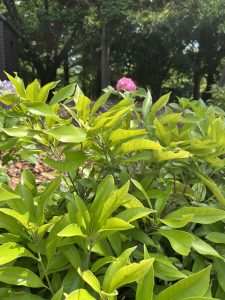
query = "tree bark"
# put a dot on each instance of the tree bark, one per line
(222, 78)
(105, 50)
(66, 71)
(210, 80)
(197, 81)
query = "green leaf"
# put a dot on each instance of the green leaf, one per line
(100, 102)
(72, 255)
(159, 103)
(205, 249)
(58, 295)
(140, 188)
(33, 90)
(145, 286)
(8, 144)
(130, 273)
(45, 197)
(101, 262)
(220, 270)
(9, 99)
(178, 222)
(115, 224)
(63, 94)
(216, 237)
(40, 109)
(201, 298)
(73, 160)
(171, 118)
(120, 134)
(22, 218)
(211, 185)
(140, 144)
(91, 279)
(195, 286)
(169, 155)
(20, 276)
(201, 215)
(83, 107)
(121, 261)
(43, 94)
(6, 193)
(67, 134)
(131, 214)
(11, 251)
(18, 84)
(180, 241)
(72, 230)
(80, 294)
(28, 180)
(147, 103)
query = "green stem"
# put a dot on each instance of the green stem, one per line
(45, 274)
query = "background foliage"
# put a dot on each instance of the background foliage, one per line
(164, 45)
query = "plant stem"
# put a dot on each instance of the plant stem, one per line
(45, 273)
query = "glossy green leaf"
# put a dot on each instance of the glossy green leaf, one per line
(44, 92)
(72, 230)
(131, 214)
(58, 295)
(129, 273)
(11, 251)
(202, 215)
(101, 100)
(140, 144)
(177, 222)
(72, 161)
(205, 249)
(18, 84)
(159, 104)
(120, 134)
(63, 94)
(83, 107)
(90, 279)
(180, 241)
(147, 103)
(216, 237)
(101, 262)
(20, 276)
(33, 90)
(145, 286)
(195, 286)
(6, 193)
(114, 224)
(40, 109)
(80, 294)
(67, 134)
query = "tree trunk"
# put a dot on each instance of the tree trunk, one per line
(105, 47)
(66, 71)
(222, 79)
(197, 82)
(210, 80)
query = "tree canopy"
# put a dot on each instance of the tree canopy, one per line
(161, 44)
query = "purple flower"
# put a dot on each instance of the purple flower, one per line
(126, 84)
(7, 87)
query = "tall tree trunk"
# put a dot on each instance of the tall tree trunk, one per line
(210, 80)
(197, 81)
(222, 78)
(105, 49)
(66, 71)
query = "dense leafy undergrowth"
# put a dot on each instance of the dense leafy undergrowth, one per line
(136, 210)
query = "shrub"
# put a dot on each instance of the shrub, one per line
(136, 210)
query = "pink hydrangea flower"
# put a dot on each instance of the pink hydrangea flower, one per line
(126, 84)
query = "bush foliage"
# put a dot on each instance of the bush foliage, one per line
(137, 207)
